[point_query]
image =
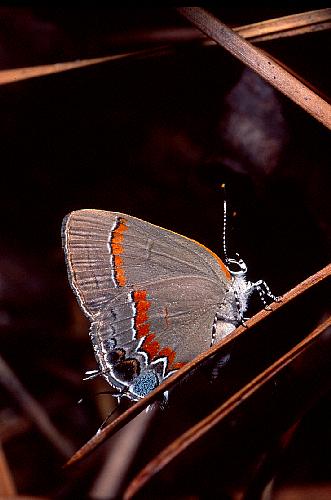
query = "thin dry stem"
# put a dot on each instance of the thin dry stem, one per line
(260, 62)
(128, 415)
(33, 410)
(17, 74)
(120, 454)
(271, 29)
(286, 25)
(7, 485)
(199, 430)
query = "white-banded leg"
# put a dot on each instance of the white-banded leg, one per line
(264, 291)
(220, 364)
(224, 359)
(163, 403)
(91, 374)
(118, 396)
(213, 331)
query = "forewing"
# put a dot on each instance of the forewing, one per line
(108, 253)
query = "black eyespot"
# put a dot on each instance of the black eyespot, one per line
(115, 356)
(127, 369)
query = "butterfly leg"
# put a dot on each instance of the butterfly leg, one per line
(220, 364)
(163, 402)
(104, 423)
(118, 396)
(264, 291)
(91, 374)
(213, 332)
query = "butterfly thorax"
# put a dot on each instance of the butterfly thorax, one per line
(242, 290)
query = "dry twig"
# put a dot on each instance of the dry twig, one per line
(97, 439)
(271, 29)
(7, 485)
(33, 410)
(199, 430)
(260, 62)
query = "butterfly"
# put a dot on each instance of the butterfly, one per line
(155, 299)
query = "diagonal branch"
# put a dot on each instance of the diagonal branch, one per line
(33, 410)
(295, 24)
(271, 29)
(201, 428)
(128, 415)
(7, 483)
(18, 74)
(260, 62)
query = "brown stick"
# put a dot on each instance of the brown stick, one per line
(33, 410)
(259, 62)
(287, 25)
(271, 29)
(7, 485)
(18, 74)
(129, 414)
(201, 428)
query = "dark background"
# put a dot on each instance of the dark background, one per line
(155, 138)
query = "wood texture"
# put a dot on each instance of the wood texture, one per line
(280, 27)
(201, 428)
(134, 410)
(260, 62)
(271, 29)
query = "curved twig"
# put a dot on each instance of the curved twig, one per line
(260, 62)
(128, 415)
(33, 410)
(271, 29)
(201, 428)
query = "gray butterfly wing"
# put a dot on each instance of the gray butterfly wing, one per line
(107, 252)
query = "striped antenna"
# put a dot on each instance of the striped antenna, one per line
(224, 224)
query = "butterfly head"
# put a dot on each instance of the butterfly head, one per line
(241, 287)
(236, 267)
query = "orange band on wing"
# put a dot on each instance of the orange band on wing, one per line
(141, 317)
(120, 276)
(118, 261)
(117, 239)
(116, 249)
(168, 353)
(143, 330)
(122, 227)
(116, 246)
(150, 345)
(140, 295)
